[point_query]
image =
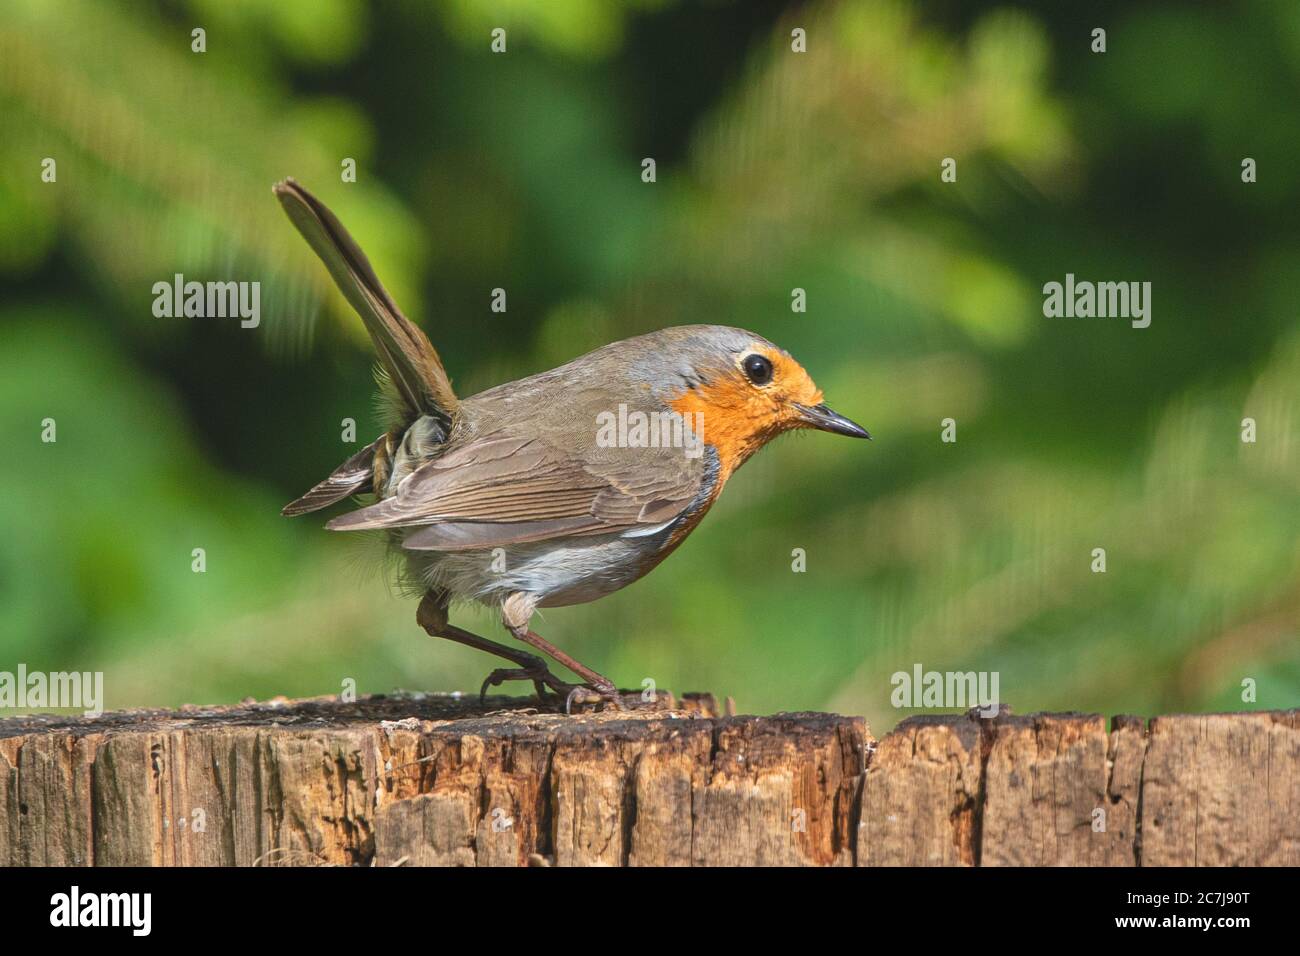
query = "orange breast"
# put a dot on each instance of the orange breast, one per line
(736, 420)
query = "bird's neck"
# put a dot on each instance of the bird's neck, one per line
(734, 421)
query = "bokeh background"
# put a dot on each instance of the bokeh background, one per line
(776, 170)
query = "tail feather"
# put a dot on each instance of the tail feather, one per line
(409, 359)
(353, 477)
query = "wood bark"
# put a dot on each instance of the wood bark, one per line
(424, 780)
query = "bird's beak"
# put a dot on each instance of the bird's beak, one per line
(823, 418)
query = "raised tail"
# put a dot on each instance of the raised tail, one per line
(411, 364)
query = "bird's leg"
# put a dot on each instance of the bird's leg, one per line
(597, 681)
(432, 616)
(515, 614)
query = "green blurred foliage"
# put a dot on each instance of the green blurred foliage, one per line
(775, 170)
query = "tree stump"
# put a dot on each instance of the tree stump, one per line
(421, 780)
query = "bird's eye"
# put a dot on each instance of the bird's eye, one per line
(757, 369)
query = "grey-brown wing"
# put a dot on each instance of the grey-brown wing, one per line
(503, 490)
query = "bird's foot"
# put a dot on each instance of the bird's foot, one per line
(535, 671)
(546, 684)
(605, 693)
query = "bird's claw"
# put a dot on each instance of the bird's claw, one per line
(580, 695)
(544, 681)
(500, 676)
(597, 694)
(541, 677)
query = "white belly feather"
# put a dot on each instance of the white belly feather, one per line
(558, 573)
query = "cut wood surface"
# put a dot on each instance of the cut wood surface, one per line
(421, 780)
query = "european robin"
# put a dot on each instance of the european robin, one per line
(561, 487)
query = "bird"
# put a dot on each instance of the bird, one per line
(556, 489)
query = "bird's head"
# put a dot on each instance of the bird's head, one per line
(745, 391)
